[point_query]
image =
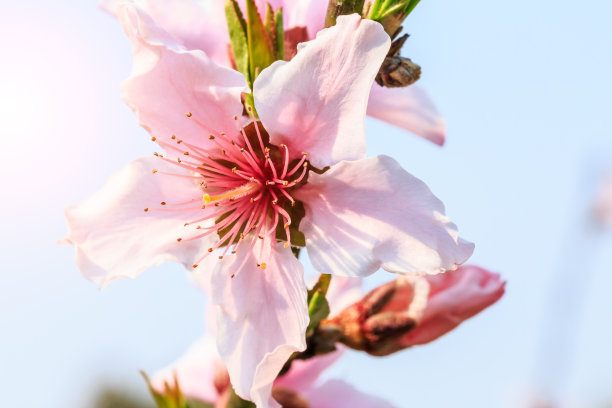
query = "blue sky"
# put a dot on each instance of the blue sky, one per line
(526, 91)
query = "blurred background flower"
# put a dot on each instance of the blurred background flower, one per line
(525, 91)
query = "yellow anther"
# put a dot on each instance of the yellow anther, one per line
(286, 225)
(187, 154)
(188, 114)
(263, 265)
(173, 137)
(153, 171)
(206, 198)
(286, 245)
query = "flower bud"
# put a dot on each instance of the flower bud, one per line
(414, 310)
(397, 71)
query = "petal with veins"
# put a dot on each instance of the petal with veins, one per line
(197, 25)
(114, 236)
(409, 108)
(316, 102)
(261, 318)
(168, 82)
(453, 297)
(371, 213)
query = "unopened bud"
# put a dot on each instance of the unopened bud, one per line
(397, 71)
(414, 310)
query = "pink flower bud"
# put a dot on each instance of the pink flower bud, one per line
(415, 310)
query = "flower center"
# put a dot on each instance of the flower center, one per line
(246, 185)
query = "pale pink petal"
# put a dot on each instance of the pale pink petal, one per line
(339, 394)
(261, 318)
(316, 102)
(304, 373)
(197, 25)
(168, 81)
(454, 297)
(196, 371)
(409, 108)
(371, 213)
(342, 292)
(113, 235)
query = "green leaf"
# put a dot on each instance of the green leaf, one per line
(318, 309)
(237, 28)
(260, 48)
(411, 6)
(322, 285)
(279, 34)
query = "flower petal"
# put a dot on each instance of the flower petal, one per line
(453, 297)
(337, 393)
(343, 292)
(371, 213)
(261, 318)
(409, 108)
(167, 82)
(304, 373)
(113, 235)
(197, 372)
(197, 25)
(316, 102)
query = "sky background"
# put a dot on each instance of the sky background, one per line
(526, 90)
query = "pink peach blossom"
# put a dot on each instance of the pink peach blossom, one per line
(200, 25)
(223, 189)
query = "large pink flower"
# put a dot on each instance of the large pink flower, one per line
(200, 25)
(232, 189)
